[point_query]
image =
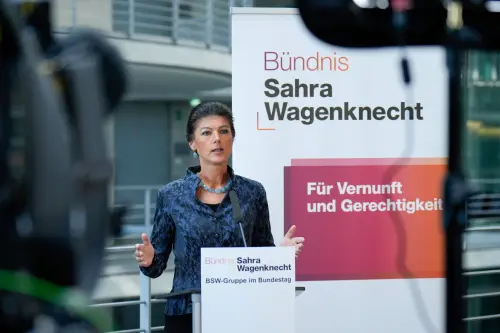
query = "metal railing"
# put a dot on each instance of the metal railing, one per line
(196, 23)
(141, 202)
(483, 234)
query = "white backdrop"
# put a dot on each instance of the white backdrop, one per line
(349, 301)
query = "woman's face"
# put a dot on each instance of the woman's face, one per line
(213, 140)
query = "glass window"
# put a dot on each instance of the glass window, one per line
(156, 18)
(151, 17)
(182, 157)
(482, 111)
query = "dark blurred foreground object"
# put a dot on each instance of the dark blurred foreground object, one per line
(344, 23)
(454, 25)
(54, 212)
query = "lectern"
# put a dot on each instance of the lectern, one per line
(196, 298)
(245, 290)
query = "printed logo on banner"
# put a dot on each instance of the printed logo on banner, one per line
(301, 100)
(247, 266)
(228, 262)
(364, 225)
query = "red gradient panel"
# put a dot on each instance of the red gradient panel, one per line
(366, 245)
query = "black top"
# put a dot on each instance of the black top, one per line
(213, 206)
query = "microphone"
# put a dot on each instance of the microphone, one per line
(237, 214)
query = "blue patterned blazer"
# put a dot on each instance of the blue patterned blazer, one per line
(184, 224)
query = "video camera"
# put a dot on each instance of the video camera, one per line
(54, 210)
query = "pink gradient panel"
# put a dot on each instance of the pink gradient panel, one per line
(365, 245)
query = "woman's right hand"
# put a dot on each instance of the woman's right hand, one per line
(144, 252)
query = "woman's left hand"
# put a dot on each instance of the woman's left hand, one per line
(289, 240)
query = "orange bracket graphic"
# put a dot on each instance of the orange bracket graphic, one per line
(260, 128)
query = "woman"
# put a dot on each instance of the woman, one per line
(195, 212)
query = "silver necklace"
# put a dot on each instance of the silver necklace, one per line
(223, 189)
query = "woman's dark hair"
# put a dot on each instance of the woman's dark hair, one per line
(207, 109)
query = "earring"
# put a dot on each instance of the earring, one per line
(195, 154)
